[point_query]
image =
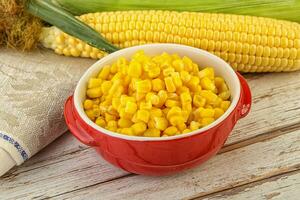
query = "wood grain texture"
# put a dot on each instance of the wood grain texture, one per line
(263, 145)
(251, 163)
(285, 186)
(230, 169)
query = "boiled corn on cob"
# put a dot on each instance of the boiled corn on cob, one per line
(248, 44)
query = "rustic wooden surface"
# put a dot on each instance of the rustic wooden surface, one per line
(261, 160)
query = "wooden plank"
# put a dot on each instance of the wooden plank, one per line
(286, 186)
(230, 169)
(69, 172)
(276, 104)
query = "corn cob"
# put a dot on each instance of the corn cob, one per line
(248, 44)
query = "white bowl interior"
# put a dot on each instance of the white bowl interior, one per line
(201, 57)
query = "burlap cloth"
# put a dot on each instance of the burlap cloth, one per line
(33, 89)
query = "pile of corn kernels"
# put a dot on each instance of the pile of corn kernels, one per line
(155, 96)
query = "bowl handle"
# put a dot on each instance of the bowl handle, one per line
(246, 99)
(74, 125)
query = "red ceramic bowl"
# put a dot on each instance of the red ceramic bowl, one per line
(159, 156)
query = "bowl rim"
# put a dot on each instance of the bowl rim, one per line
(79, 108)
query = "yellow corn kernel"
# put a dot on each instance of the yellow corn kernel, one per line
(199, 101)
(176, 79)
(168, 71)
(207, 84)
(124, 123)
(223, 88)
(96, 101)
(90, 114)
(151, 123)
(130, 107)
(209, 96)
(117, 76)
(182, 89)
(155, 112)
(120, 90)
(173, 96)
(116, 102)
(187, 107)
(185, 97)
(185, 76)
(218, 112)
(188, 63)
(143, 115)
(145, 105)
(169, 84)
(134, 118)
(115, 85)
(148, 65)
(217, 103)
(174, 111)
(139, 128)
(171, 103)
(127, 131)
(178, 65)
(219, 81)
(111, 128)
(121, 61)
(207, 72)
(163, 96)
(94, 82)
(88, 104)
(207, 112)
(109, 117)
(208, 106)
(139, 96)
(154, 72)
(125, 99)
(124, 70)
(161, 123)
(100, 122)
(176, 120)
(105, 86)
(193, 83)
(185, 114)
(195, 68)
(152, 132)
(143, 86)
(96, 111)
(112, 123)
(207, 120)
(224, 95)
(94, 92)
(197, 113)
(112, 111)
(157, 85)
(194, 125)
(225, 105)
(104, 72)
(181, 127)
(114, 68)
(153, 98)
(134, 69)
(172, 130)
(186, 130)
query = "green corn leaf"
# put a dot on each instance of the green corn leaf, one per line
(65, 21)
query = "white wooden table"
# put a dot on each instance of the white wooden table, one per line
(261, 160)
